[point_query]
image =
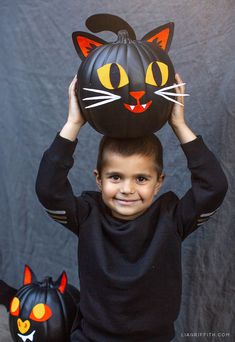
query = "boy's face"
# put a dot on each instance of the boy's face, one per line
(128, 184)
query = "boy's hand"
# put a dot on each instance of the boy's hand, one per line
(75, 119)
(74, 112)
(177, 115)
(176, 120)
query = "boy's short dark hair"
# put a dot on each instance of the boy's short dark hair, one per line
(148, 145)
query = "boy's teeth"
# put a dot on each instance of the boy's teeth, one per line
(132, 107)
(144, 105)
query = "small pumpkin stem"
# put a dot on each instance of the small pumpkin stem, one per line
(47, 282)
(123, 37)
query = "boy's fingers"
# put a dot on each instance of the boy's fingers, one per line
(177, 88)
(73, 83)
(181, 89)
(75, 78)
(178, 78)
(72, 89)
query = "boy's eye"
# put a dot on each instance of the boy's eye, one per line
(114, 177)
(141, 179)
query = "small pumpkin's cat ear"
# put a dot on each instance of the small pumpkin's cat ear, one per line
(85, 42)
(61, 282)
(29, 276)
(161, 36)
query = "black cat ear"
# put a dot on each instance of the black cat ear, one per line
(61, 282)
(29, 276)
(85, 42)
(161, 36)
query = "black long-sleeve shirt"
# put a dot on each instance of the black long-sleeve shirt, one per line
(130, 271)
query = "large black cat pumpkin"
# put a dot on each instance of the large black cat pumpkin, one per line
(126, 87)
(43, 311)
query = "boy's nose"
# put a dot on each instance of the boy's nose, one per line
(127, 188)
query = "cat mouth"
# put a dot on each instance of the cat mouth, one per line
(29, 337)
(139, 108)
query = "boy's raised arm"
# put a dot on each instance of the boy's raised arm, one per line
(209, 184)
(53, 188)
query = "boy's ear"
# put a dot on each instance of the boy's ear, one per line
(98, 179)
(159, 183)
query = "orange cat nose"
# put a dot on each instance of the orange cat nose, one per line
(137, 94)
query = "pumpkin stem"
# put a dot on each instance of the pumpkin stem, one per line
(47, 282)
(123, 37)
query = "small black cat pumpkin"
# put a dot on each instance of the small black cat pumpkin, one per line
(43, 311)
(126, 87)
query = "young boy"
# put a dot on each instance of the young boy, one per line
(129, 245)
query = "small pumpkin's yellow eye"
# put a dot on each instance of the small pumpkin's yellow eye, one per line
(157, 74)
(40, 313)
(15, 307)
(112, 76)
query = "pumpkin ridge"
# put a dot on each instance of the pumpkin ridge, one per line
(126, 127)
(136, 45)
(23, 296)
(97, 56)
(64, 312)
(116, 57)
(93, 67)
(99, 53)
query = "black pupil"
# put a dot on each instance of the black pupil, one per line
(157, 74)
(114, 75)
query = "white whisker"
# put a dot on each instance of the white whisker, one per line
(105, 97)
(103, 102)
(170, 99)
(173, 86)
(162, 92)
(171, 94)
(99, 91)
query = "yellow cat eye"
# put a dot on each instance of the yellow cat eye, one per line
(40, 313)
(15, 307)
(151, 78)
(112, 76)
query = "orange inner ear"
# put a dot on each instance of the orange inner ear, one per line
(86, 44)
(27, 276)
(161, 38)
(63, 283)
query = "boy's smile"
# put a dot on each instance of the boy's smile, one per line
(128, 184)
